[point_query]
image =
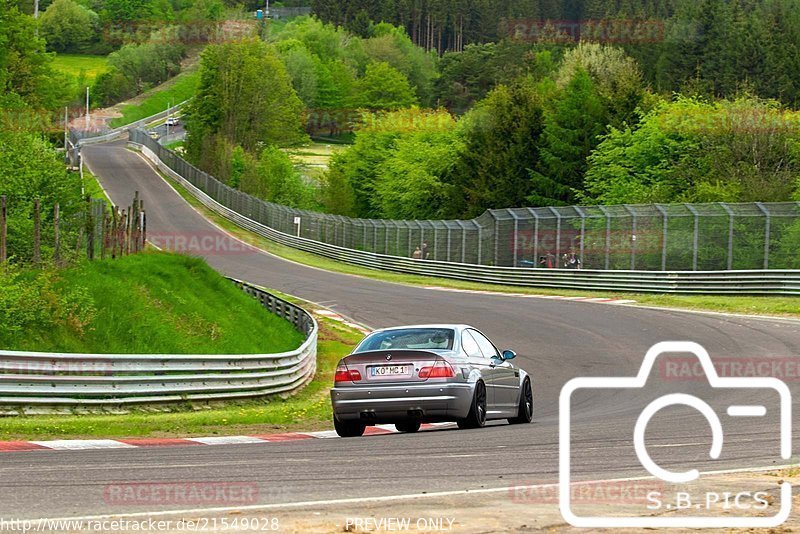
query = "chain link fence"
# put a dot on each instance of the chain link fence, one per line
(654, 237)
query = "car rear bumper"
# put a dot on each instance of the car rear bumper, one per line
(387, 404)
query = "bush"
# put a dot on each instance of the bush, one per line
(68, 26)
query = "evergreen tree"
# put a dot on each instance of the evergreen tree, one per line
(572, 129)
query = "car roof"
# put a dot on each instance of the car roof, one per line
(450, 326)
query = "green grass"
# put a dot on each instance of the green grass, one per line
(74, 64)
(776, 306)
(147, 303)
(309, 409)
(92, 187)
(181, 88)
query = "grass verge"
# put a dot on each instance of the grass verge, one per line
(750, 305)
(92, 187)
(310, 409)
(182, 88)
(151, 303)
(75, 64)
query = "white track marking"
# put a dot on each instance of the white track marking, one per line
(227, 440)
(388, 498)
(83, 444)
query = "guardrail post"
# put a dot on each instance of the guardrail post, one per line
(480, 243)
(696, 234)
(435, 238)
(730, 234)
(515, 237)
(633, 236)
(558, 232)
(535, 236)
(768, 215)
(663, 237)
(463, 241)
(583, 231)
(496, 224)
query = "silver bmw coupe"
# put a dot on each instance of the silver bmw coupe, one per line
(411, 375)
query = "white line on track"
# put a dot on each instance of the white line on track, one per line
(388, 498)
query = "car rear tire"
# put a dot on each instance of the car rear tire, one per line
(476, 418)
(349, 429)
(525, 409)
(408, 426)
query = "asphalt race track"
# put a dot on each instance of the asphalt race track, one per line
(556, 341)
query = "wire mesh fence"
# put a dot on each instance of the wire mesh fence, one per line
(653, 237)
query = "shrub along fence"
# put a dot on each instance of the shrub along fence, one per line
(95, 230)
(656, 237)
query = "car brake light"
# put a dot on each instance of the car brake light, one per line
(440, 369)
(343, 374)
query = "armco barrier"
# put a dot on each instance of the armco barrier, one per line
(79, 140)
(33, 378)
(753, 282)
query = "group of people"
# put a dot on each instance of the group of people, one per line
(567, 261)
(421, 252)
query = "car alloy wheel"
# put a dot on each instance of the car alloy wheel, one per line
(525, 409)
(477, 413)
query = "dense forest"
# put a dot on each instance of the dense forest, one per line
(450, 108)
(500, 124)
(715, 46)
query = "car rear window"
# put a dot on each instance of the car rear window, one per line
(409, 339)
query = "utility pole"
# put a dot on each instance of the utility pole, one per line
(66, 131)
(87, 108)
(266, 12)
(36, 9)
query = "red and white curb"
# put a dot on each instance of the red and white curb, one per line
(598, 300)
(139, 443)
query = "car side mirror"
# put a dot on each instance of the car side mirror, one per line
(509, 355)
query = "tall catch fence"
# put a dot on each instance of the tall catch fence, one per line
(653, 237)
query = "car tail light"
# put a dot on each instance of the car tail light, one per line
(441, 369)
(343, 374)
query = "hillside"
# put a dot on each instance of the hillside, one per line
(148, 303)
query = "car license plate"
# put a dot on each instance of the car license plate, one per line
(390, 370)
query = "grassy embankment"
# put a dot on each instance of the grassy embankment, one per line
(774, 306)
(159, 303)
(180, 88)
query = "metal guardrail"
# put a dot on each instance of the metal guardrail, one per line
(33, 378)
(753, 282)
(78, 140)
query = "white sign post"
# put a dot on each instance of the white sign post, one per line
(297, 224)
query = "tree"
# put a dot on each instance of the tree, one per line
(25, 69)
(68, 26)
(302, 68)
(414, 181)
(383, 88)
(29, 169)
(276, 180)
(572, 129)
(616, 77)
(246, 96)
(125, 11)
(741, 150)
(502, 137)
